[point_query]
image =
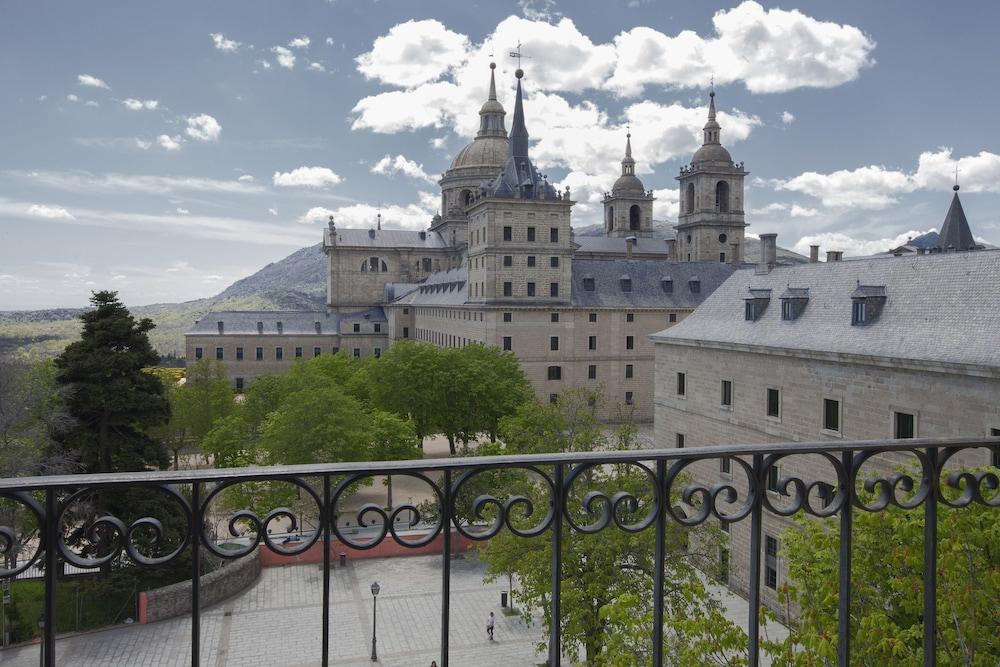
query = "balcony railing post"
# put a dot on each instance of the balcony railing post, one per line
(846, 553)
(753, 622)
(661, 537)
(196, 524)
(555, 612)
(930, 560)
(51, 577)
(446, 568)
(326, 516)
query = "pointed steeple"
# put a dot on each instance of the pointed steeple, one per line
(955, 232)
(628, 164)
(518, 131)
(712, 127)
(492, 113)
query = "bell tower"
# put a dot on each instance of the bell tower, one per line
(710, 226)
(628, 208)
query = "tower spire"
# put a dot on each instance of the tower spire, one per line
(493, 82)
(492, 113)
(628, 163)
(712, 127)
(518, 131)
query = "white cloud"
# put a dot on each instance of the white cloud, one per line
(84, 182)
(666, 206)
(307, 177)
(773, 207)
(769, 51)
(853, 247)
(316, 67)
(138, 105)
(329, 41)
(299, 43)
(170, 143)
(264, 64)
(50, 212)
(538, 10)
(439, 142)
(245, 178)
(91, 103)
(72, 98)
(787, 117)
(223, 44)
(91, 81)
(802, 211)
(182, 211)
(272, 211)
(203, 127)
(314, 215)
(976, 173)
(412, 216)
(144, 145)
(388, 166)
(412, 53)
(42, 98)
(284, 57)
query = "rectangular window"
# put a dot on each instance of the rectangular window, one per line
(555, 372)
(553, 398)
(508, 317)
(592, 342)
(592, 317)
(858, 312)
(727, 393)
(239, 354)
(630, 317)
(378, 352)
(406, 332)
(831, 415)
(508, 260)
(508, 289)
(554, 262)
(592, 372)
(628, 398)
(198, 353)
(378, 327)
(333, 350)
(531, 289)
(531, 261)
(554, 317)
(772, 479)
(508, 234)
(629, 342)
(260, 354)
(357, 327)
(279, 353)
(239, 385)
(905, 425)
(553, 343)
(628, 371)
(726, 466)
(507, 344)
(406, 311)
(553, 289)
(218, 353)
(750, 312)
(771, 562)
(679, 441)
(787, 310)
(681, 384)
(672, 317)
(298, 353)
(357, 352)
(317, 351)
(531, 234)
(553, 234)
(722, 257)
(773, 403)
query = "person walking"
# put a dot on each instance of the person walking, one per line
(489, 627)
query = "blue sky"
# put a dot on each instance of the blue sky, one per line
(166, 149)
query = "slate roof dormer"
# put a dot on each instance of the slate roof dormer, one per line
(793, 301)
(866, 304)
(755, 304)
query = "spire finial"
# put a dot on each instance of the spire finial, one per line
(378, 217)
(518, 130)
(955, 187)
(493, 82)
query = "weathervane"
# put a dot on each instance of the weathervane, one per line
(956, 175)
(517, 54)
(379, 217)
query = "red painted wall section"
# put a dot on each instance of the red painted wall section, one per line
(387, 549)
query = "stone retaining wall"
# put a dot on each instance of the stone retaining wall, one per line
(175, 600)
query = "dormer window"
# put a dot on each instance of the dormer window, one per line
(260, 327)
(281, 328)
(222, 327)
(588, 283)
(866, 304)
(667, 283)
(626, 283)
(793, 302)
(319, 327)
(694, 284)
(756, 304)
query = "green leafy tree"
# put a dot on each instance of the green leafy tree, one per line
(408, 381)
(112, 401)
(392, 439)
(887, 583)
(196, 405)
(317, 425)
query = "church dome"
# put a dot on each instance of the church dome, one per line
(488, 152)
(628, 183)
(712, 153)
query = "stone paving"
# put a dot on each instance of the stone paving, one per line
(277, 622)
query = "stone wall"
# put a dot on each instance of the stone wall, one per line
(175, 600)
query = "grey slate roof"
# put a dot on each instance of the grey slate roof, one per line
(293, 322)
(939, 308)
(955, 232)
(614, 244)
(388, 238)
(647, 277)
(441, 288)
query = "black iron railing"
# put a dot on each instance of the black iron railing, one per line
(48, 502)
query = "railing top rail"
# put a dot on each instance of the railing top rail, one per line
(153, 477)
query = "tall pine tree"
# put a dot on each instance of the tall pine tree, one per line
(112, 400)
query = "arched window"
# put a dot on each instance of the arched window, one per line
(467, 197)
(634, 218)
(373, 264)
(364, 266)
(385, 268)
(722, 197)
(610, 223)
(689, 200)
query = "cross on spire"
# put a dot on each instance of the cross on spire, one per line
(516, 53)
(956, 176)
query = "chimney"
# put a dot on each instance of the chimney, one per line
(671, 250)
(813, 254)
(768, 252)
(734, 254)
(834, 255)
(629, 242)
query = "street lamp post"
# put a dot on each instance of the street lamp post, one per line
(375, 590)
